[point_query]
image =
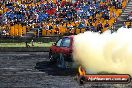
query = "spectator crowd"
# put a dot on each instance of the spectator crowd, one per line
(61, 15)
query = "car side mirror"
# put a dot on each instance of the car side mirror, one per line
(54, 44)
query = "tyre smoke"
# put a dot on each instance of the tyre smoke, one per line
(106, 52)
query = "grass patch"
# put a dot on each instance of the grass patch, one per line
(36, 44)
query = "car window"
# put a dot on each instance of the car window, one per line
(66, 42)
(59, 42)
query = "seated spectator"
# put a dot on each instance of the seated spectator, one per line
(130, 16)
(106, 25)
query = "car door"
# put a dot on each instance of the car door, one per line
(66, 47)
(56, 48)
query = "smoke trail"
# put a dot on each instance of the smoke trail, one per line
(104, 52)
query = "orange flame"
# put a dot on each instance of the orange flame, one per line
(81, 71)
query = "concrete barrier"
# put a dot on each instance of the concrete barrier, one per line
(24, 49)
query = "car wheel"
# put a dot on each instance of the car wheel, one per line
(51, 57)
(61, 62)
(81, 80)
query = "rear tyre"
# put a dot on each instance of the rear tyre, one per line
(61, 62)
(81, 80)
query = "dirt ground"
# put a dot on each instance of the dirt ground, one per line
(33, 69)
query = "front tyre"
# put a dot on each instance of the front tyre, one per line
(51, 58)
(61, 61)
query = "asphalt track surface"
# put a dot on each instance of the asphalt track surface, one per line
(33, 70)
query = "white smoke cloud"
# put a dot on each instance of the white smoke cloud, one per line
(104, 52)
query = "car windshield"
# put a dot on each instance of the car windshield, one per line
(66, 42)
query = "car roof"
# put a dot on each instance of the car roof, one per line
(71, 36)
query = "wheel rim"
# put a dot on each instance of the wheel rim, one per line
(51, 58)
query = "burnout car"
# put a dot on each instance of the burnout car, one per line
(61, 52)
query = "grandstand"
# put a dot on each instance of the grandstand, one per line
(57, 17)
